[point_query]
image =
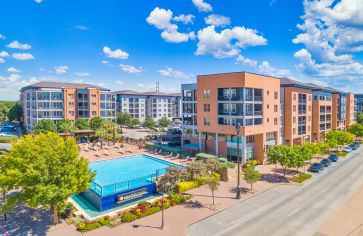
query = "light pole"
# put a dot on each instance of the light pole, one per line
(238, 129)
(166, 185)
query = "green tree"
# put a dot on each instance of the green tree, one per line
(44, 126)
(360, 118)
(14, 112)
(82, 124)
(111, 129)
(213, 182)
(356, 129)
(101, 133)
(134, 122)
(65, 126)
(283, 155)
(96, 122)
(47, 169)
(251, 175)
(164, 122)
(123, 119)
(338, 138)
(149, 123)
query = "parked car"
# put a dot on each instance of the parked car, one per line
(357, 143)
(347, 149)
(334, 157)
(326, 162)
(316, 167)
(353, 146)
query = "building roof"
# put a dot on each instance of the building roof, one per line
(132, 92)
(61, 85)
(285, 82)
(240, 72)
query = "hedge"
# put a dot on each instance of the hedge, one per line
(186, 185)
(342, 154)
(301, 178)
(128, 217)
(84, 227)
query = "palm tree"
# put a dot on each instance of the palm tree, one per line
(66, 126)
(101, 133)
(111, 128)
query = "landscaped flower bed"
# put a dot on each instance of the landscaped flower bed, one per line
(143, 209)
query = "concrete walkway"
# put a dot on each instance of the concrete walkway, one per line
(289, 210)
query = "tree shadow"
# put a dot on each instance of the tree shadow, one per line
(27, 221)
(288, 171)
(145, 226)
(244, 190)
(193, 204)
(273, 178)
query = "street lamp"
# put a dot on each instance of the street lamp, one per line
(164, 187)
(238, 129)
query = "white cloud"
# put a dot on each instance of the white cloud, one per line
(119, 82)
(246, 61)
(185, 19)
(202, 6)
(217, 20)
(105, 62)
(141, 85)
(9, 88)
(170, 72)
(14, 77)
(130, 69)
(61, 69)
(2, 60)
(332, 34)
(2, 37)
(17, 45)
(82, 74)
(118, 53)
(13, 70)
(80, 27)
(23, 56)
(161, 19)
(4, 54)
(267, 69)
(228, 42)
(38, 1)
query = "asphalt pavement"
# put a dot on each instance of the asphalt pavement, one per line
(289, 209)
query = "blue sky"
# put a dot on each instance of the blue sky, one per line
(133, 44)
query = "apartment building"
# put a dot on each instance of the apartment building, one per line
(296, 112)
(224, 100)
(339, 112)
(55, 101)
(322, 112)
(149, 104)
(351, 110)
(132, 102)
(358, 103)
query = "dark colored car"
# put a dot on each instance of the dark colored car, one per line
(333, 157)
(326, 162)
(316, 167)
(357, 143)
(354, 146)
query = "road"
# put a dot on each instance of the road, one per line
(289, 210)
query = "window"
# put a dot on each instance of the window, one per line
(293, 131)
(206, 107)
(276, 108)
(206, 121)
(294, 120)
(309, 108)
(309, 98)
(71, 95)
(268, 120)
(250, 139)
(316, 98)
(268, 106)
(268, 92)
(276, 95)
(275, 121)
(270, 136)
(206, 93)
(94, 113)
(294, 96)
(294, 108)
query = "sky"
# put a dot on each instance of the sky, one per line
(122, 44)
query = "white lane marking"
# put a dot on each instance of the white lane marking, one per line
(324, 189)
(296, 210)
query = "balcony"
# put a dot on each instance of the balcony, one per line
(253, 113)
(230, 98)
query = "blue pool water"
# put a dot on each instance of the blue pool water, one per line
(126, 173)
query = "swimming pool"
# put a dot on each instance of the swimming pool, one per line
(126, 173)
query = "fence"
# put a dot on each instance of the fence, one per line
(126, 185)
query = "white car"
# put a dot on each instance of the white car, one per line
(347, 149)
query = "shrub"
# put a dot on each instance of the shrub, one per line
(301, 178)
(342, 154)
(167, 203)
(128, 217)
(186, 185)
(228, 164)
(144, 203)
(139, 210)
(10, 139)
(105, 220)
(222, 159)
(151, 211)
(84, 227)
(176, 198)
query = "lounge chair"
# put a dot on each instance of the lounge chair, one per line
(97, 154)
(105, 152)
(121, 151)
